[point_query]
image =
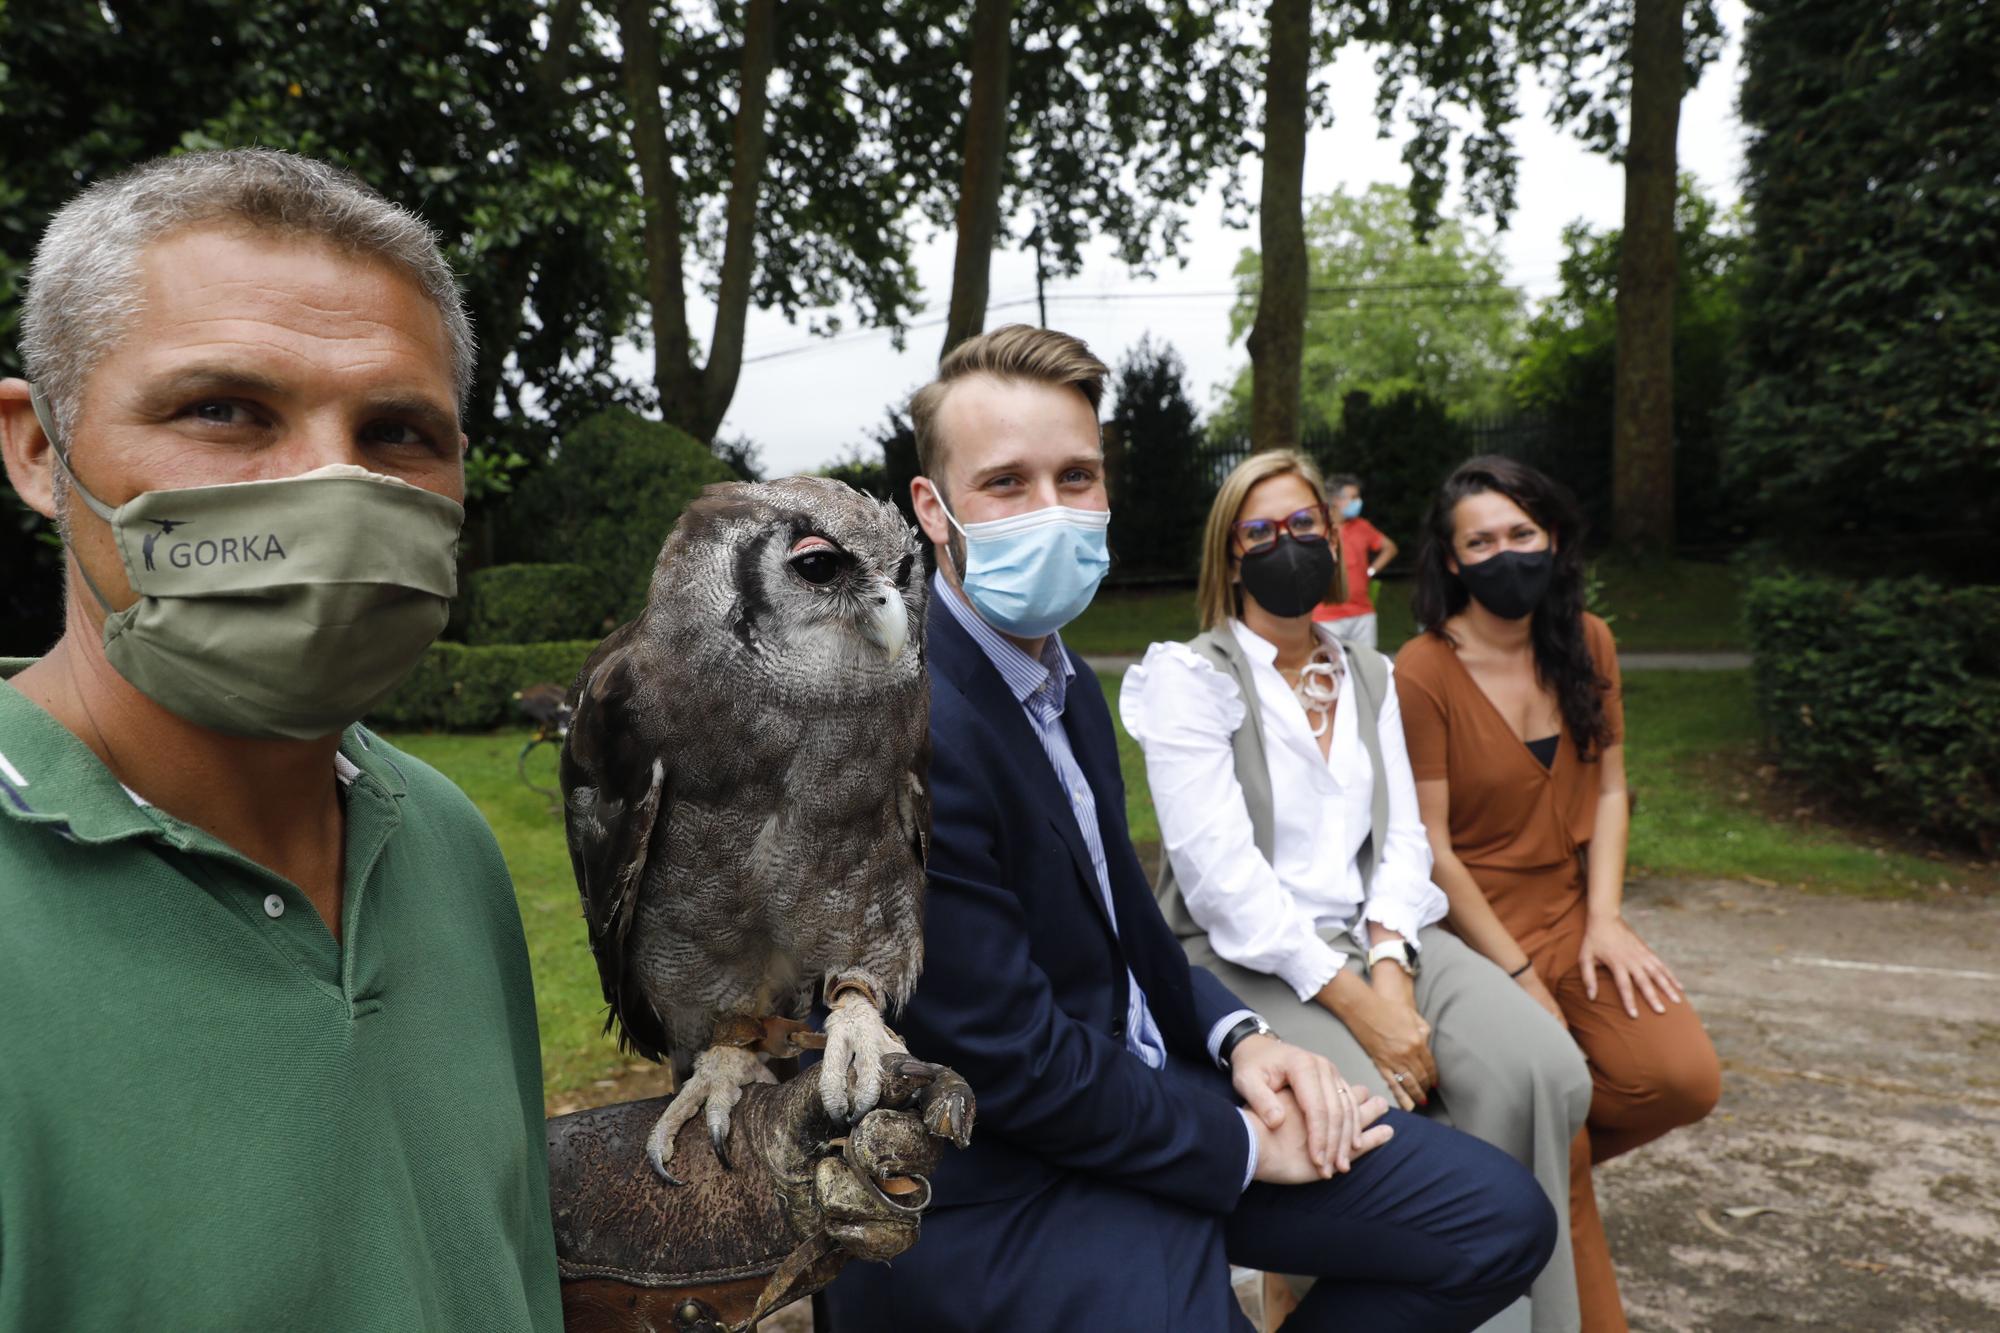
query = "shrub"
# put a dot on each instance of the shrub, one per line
(609, 499)
(534, 604)
(457, 687)
(1885, 695)
(1402, 446)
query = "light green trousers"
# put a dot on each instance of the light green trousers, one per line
(1508, 1073)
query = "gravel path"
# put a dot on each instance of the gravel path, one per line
(1850, 1178)
(1861, 1107)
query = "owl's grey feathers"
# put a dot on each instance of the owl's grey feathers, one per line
(745, 775)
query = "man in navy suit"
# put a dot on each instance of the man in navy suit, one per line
(1139, 1128)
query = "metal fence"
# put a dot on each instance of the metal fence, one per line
(1530, 437)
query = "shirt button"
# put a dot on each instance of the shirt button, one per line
(274, 906)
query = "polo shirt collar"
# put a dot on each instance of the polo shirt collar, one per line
(48, 776)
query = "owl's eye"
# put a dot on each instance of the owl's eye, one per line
(818, 564)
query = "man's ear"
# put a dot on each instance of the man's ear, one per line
(30, 464)
(929, 507)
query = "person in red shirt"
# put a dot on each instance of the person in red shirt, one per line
(1364, 551)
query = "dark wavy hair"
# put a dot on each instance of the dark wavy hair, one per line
(1562, 655)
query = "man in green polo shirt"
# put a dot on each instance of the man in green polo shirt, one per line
(268, 1054)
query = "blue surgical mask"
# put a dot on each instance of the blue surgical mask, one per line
(1352, 509)
(1030, 574)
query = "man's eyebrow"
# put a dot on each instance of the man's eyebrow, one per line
(177, 386)
(192, 381)
(986, 474)
(983, 475)
(425, 411)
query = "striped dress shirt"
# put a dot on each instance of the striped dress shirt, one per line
(1041, 687)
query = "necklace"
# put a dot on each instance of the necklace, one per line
(1317, 690)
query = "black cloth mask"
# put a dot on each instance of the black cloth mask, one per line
(1510, 584)
(1290, 578)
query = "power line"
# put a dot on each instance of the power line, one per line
(1476, 294)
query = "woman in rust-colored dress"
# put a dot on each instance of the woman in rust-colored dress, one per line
(1511, 708)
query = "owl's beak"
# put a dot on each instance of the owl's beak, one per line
(886, 624)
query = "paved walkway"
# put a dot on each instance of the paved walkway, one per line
(1723, 661)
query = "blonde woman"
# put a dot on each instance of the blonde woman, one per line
(1297, 868)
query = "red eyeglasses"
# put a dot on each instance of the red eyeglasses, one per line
(1310, 524)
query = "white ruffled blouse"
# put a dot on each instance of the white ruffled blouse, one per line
(1268, 915)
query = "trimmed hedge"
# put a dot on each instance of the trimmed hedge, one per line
(458, 687)
(534, 604)
(1871, 297)
(609, 499)
(1885, 695)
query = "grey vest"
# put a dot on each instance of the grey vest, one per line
(1365, 684)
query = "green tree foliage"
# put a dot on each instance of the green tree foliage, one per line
(450, 107)
(779, 149)
(886, 465)
(1868, 425)
(1584, 53)
(609, 501)
(1567, 370)
(1159, 489)
(1401, 445)
(1389, 309)
(1448, 69)
(453, 108)
(1885, 694)
(1089, 118)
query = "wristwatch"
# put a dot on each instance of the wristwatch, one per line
(1396, 951)
(1249, 1027)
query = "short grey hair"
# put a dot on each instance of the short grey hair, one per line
(83, 287)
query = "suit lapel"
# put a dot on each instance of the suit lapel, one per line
(962, 661)
(1149, 947)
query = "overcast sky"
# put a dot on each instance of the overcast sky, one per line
(816, 400)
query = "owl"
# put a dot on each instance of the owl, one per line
(744, 793)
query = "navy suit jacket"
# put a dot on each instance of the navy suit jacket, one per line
(1024, 985)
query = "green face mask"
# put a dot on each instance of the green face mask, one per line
(276, 608)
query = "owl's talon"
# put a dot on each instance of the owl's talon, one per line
(857, 1042)
(948, 1108)
(720, 1138)
(720, 1073)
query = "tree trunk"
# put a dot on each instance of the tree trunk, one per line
(1277, 338)
(986, 125)
(565, 25)
(746, 173)
(1642, 450)
(674, 374)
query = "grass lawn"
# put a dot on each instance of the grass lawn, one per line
(1692, 759)
(1683, 605)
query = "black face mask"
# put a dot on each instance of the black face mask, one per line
(1510, 584)
(1290, 578)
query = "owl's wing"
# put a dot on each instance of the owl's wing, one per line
(614, 786)
(914, 807)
